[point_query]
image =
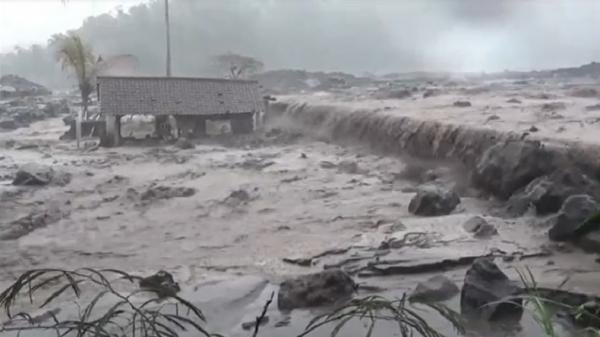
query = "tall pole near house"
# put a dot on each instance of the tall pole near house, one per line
(168, 31)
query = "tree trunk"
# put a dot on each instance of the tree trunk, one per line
(85, 97)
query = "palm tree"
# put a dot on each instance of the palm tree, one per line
(77, 57)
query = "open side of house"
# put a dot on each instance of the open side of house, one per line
(191, 101)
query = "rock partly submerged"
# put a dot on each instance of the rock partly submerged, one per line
(488, 293)
(568, 224)
(436, 289)
(505, 168)
(324, 288)
(433, 200)
(547, 193)
(479, 227)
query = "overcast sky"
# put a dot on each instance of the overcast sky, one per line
(25, 22)
(386, 35)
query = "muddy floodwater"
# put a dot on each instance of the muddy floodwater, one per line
(226, 215)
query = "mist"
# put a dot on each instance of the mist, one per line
(355, 36)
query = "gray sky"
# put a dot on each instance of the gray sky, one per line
(386, 35)
(25, 22)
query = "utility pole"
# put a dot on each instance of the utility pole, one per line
(168, 31)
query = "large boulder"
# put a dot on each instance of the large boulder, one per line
(324, 288)
(506, 167)
(433, 201)
(547, 193)
(568, 224)
(436, 289)
(33, 174)
(488, 293)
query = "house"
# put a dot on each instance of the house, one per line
(191, 101)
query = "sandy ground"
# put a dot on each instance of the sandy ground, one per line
(142, 208)
(553, 108)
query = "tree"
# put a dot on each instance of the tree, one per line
(77, 57)
(237, 65)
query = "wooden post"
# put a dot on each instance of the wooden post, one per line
(118, 130)
(112, 130)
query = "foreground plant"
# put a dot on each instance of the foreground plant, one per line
(164, 314)
(159, 316)
(377, 308)
(544, 309)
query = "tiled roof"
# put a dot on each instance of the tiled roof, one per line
(177, 95)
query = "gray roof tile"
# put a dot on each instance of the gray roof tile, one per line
(177, 96)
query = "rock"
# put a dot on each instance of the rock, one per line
(553, 106)
(348, 166)
(391, 228)
(547, 193)
(584, 92)
(324, 288)
(387, 93)
(166, 192)
(27, 224)
(33, 174)
(487, 292)
(61, 178)
(436, 289)
(184, 143)
(162, 283)
(567, 224)
(327, 164)
(479, 227)
(68, 120)
(504, 168)
(594, 107)
(237, 198)
(301, 261)
(433, 201)
(54, 109)
(533, 128)
(492, 118)
(9, 124)
(462, 104)
(431, 93)
(251, 324)
(514, 101)
(590, 242)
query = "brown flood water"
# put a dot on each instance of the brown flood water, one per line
(127, 208)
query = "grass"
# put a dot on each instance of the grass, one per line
(544, 309)
(164, 314)
(155, 313)
(374, 309)
(158, 316)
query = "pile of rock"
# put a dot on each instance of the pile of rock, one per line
(530, 177)
(16, 86)
(20, 112)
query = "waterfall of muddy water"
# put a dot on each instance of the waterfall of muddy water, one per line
(145, 207)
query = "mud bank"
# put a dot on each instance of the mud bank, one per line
(429, 139)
